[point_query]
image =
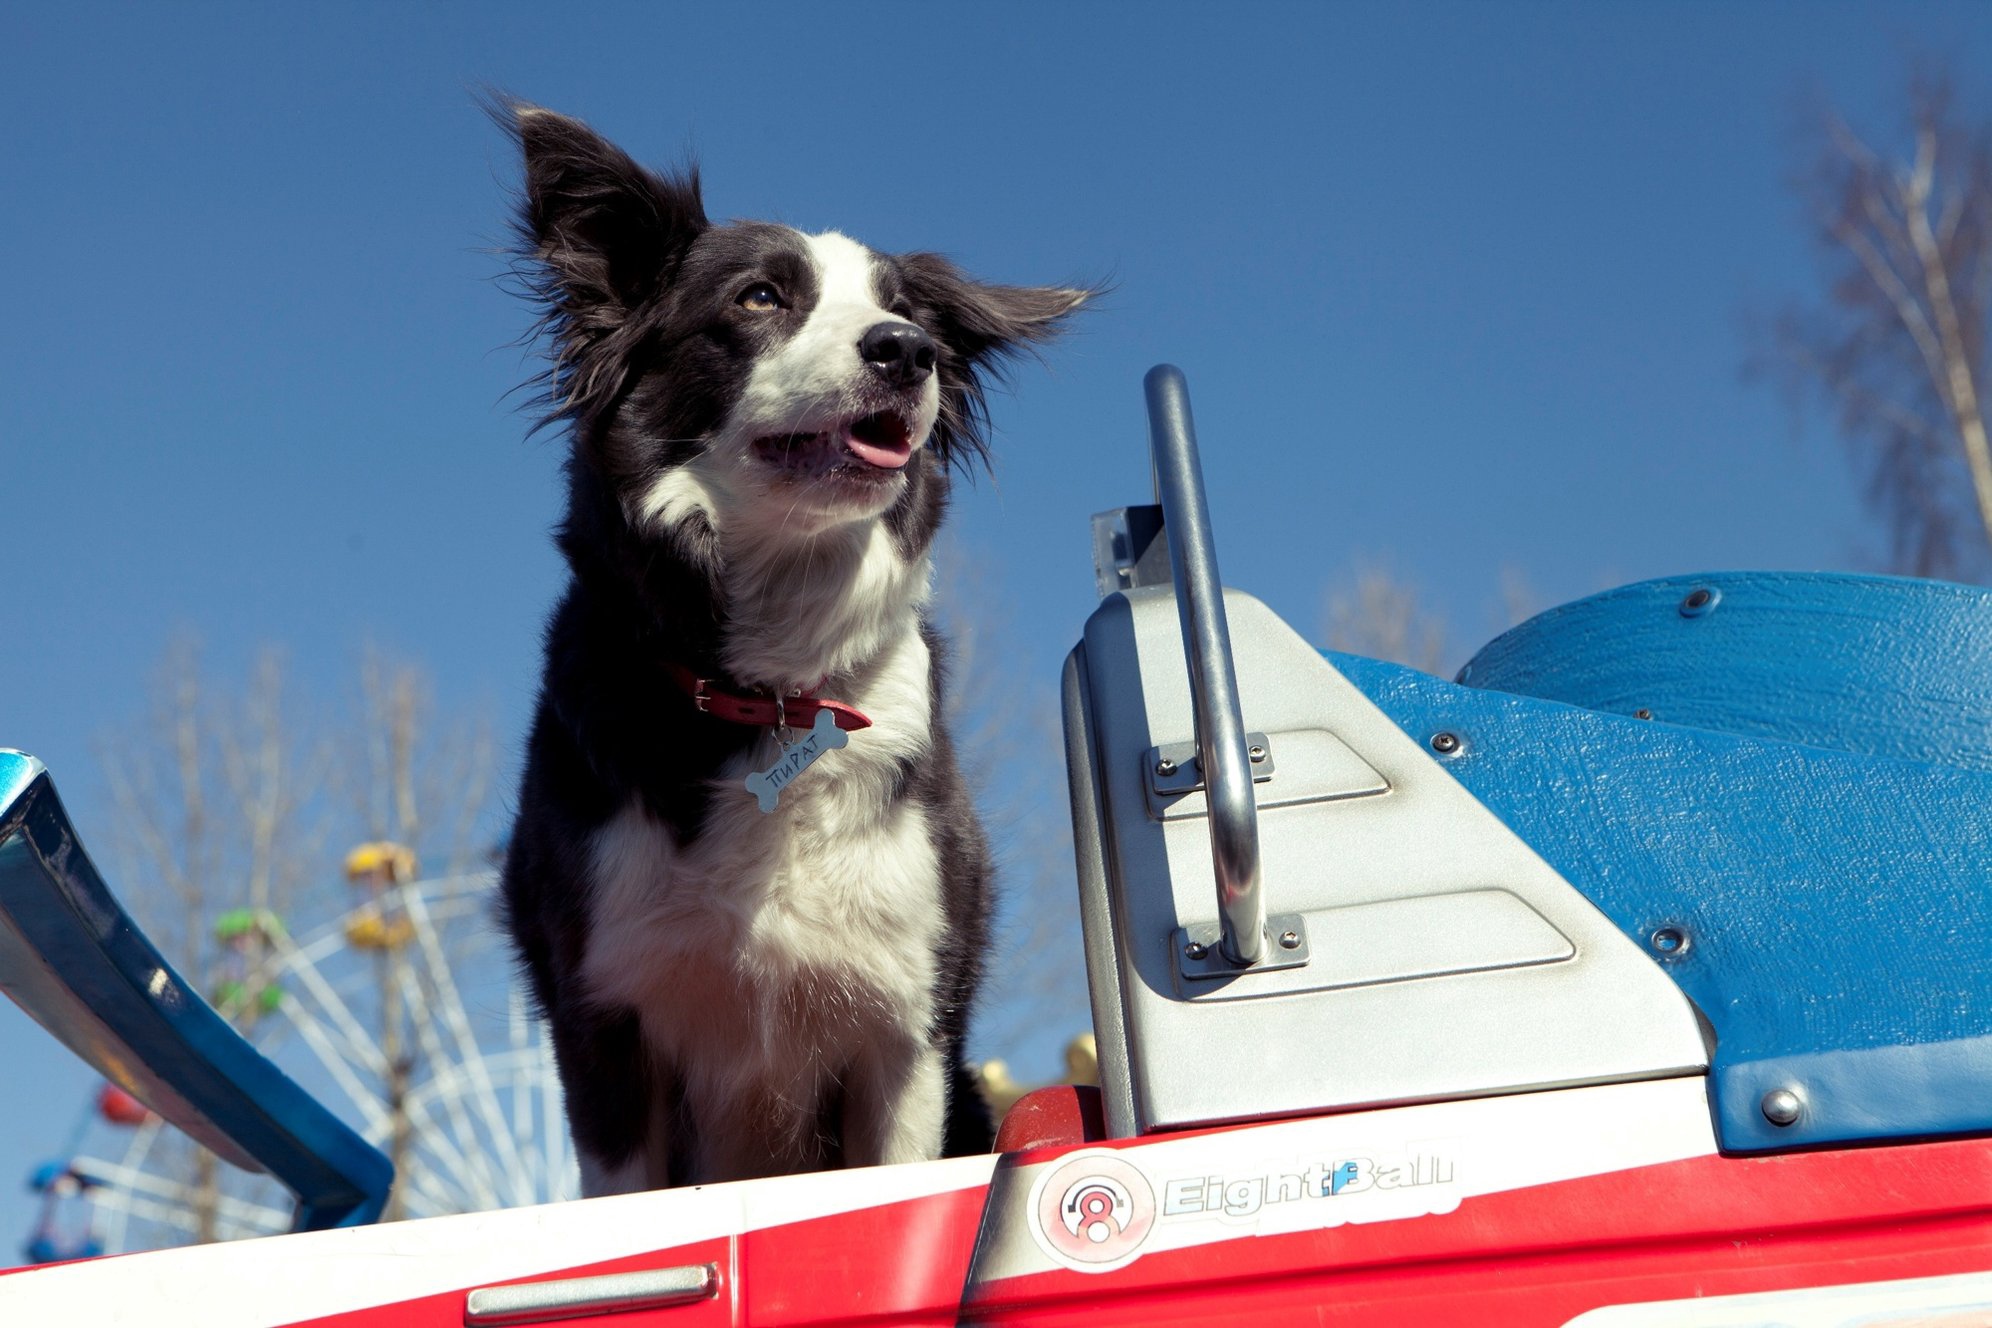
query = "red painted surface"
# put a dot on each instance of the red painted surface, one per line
(1063, 1115)
(1534, 1291)
(1707, 1226)
(445, 1309)
(903, 1263)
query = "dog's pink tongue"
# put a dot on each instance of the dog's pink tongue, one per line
(885, 458)
(880, 442)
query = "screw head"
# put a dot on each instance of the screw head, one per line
(1783, 1106)
(1165, 767)
(1256, 752)
(1195, 950)
(1289, 940)
(1642, 713)
(1669, 941)
(1446, 744)
(1699, 601)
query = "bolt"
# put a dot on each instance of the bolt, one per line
(1256, 752)
(1445, 744)
(1669, 941)
(1289, 940)
(1698, 601)
(1783, 1106)
(1195, 950)
(1165, 767)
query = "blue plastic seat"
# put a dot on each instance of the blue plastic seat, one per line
(1783, 784)
(1874, 665)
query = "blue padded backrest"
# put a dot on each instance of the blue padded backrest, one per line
(72, 958)
(1881, 666)
(1836, 897)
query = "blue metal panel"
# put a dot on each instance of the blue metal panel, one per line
(1836, 905)
(73, 959)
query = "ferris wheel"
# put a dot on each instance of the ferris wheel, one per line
(403, 1012)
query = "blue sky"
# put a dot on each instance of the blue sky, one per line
(1459, 289)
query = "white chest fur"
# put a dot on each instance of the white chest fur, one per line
(774, 948)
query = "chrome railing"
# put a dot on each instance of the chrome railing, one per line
(1221, 748)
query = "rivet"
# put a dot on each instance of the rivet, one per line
(1783, 1106)
(1699, 601)
(1165, 767)
(1670, 941)
(1642, 713)
(1290, 940)
(1195, 950)
(1446, 744)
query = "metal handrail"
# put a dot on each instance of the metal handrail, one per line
(1227, 770)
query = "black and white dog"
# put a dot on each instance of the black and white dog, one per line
(743, 981)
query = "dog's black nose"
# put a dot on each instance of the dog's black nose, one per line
(900, 353)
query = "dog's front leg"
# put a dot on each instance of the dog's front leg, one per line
(619, 1105)
(895, 1106)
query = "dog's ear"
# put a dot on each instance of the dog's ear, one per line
(600, 236)
(980, 328)
(606, 228)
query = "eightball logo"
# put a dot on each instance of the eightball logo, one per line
(1093, 1211)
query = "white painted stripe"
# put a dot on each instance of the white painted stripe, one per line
(1487, 1145)
(281, 1279)
(1406, 1162)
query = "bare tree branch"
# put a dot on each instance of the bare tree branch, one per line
(224, 800)
(1383, 619)
(1897, 343)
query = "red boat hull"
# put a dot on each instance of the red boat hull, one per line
(1605, 1207)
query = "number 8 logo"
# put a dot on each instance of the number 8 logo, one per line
(1096, 1209)
(1093, 1211)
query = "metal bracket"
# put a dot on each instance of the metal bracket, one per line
(1130, 549)
(1176, 768)
(1200, 949)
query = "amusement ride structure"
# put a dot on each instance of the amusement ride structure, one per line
(401, 1009)
(1641, 977)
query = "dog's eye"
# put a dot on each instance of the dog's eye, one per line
(760, 298)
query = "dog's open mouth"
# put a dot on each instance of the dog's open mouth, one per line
(871, 446)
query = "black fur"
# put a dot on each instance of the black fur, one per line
(649, 350)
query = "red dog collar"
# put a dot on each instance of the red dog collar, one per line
(797, 711)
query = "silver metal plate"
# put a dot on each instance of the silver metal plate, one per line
(1175, 768)
(573, 1297)
(1090, 845)
(1403, 940)
(1319, 767)
(1200, 954)
(1429, 1004)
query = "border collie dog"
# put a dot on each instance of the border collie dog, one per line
(751, 964)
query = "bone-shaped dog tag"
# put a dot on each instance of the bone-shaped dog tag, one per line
(824, 735)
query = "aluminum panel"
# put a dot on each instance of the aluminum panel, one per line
(1307, 1042)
